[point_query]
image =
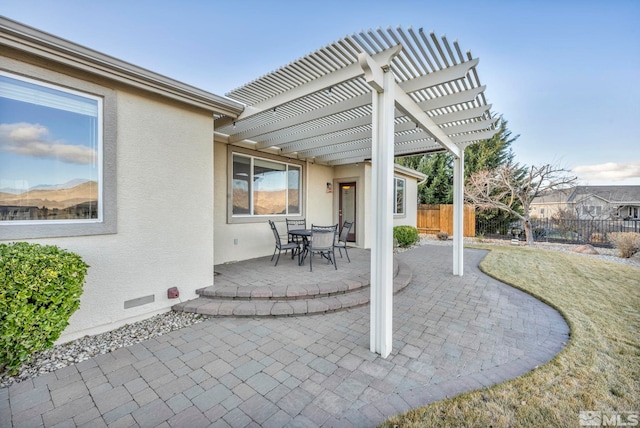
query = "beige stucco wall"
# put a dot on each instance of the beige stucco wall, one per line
(165, 215)
(545, 210)
(361, 174)
(410, 217)
(320, 206)
(233, 242)
(241, 241)
(354, 173)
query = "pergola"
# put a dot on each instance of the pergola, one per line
(371, 96)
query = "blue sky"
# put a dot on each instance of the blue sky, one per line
(565, 74)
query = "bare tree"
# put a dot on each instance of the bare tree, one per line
(511, 188)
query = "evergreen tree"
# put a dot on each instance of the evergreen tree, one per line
(491, 153)
(438, 188)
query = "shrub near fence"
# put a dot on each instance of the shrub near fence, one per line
(595, 232)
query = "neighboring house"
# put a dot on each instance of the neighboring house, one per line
(590, 203)
(136, 184)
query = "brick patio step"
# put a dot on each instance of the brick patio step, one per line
(288, 300)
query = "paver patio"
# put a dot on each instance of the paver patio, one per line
(451, 334)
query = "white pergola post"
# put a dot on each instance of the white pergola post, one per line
(382, 219)
(458, 213)
(381, 79)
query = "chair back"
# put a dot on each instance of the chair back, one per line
(294, 224)
(323, 237)
(344, 233)
(276, 235)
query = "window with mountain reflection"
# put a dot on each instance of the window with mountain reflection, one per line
(50, 153)
(265, 187)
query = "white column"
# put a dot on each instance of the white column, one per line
(382, 218)
(458, 213)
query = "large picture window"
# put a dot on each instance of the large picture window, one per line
(50, 153)
(398, 188)
(263, 187)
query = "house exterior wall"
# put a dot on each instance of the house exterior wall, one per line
(164, 208)
(593, 208)
(547, 210)
(240, 241)
(318, 201)
(410, 216)
(354, 174)
(233, 242)
(629, 212)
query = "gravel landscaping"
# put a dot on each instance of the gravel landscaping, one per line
(89, 346)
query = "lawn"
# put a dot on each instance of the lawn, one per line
(598, 371)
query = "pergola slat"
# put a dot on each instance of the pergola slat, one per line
(321, 109)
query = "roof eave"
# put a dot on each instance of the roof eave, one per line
(409, 172)
(35, 42)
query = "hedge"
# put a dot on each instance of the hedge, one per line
(41, 289)
(405, 236)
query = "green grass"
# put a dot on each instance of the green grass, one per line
(598, 370)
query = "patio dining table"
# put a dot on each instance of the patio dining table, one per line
(304, 234)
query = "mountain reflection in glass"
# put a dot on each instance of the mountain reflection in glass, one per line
(265, 187)
(50, 152)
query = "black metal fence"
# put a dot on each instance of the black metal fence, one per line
(562, 231)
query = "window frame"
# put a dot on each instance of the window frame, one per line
(260, 218)
(397, 179)
(107, 224)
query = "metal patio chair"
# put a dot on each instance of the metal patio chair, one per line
(294, 224)
(342, 239)
(293, 246)
(322, 241)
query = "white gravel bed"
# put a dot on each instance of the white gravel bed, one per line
(86, 347)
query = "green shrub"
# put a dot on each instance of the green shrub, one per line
(405, 236)
(40, 289)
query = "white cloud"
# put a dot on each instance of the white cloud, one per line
(28, 139)
(609, 171)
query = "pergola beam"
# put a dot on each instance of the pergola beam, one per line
(473, 137)
(283, 137)
(430, 80)
(358, 140)
(318, 84)
(405, 103)
(267, 129)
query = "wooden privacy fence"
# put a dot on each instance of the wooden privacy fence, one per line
(439, 218)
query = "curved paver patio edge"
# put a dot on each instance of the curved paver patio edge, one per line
(451, 335)
(280, 301)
